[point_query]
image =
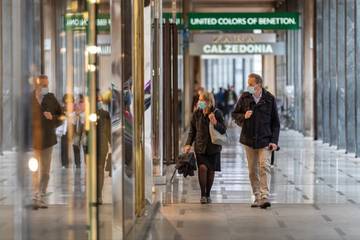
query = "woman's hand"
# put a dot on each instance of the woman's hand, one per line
(248, 114)
(212, 119)
(187, 148)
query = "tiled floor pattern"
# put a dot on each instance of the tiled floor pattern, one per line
(66, 216)
(315, 194)
(305, 171)
(191, 221)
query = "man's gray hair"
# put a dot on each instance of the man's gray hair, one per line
(258, 78)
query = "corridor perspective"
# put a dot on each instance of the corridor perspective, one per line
(179, 119)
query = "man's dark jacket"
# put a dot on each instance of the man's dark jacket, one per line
(263, 126)
(199, 132)
(43, 130)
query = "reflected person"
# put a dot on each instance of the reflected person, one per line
(46, 114)
(103, 128)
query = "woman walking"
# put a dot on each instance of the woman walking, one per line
(207, 153)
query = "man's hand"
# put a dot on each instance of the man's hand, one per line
(273, 147)
(187, 148)
(48, 115)
(212, 119)
(248, 114)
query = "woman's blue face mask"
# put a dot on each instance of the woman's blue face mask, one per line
(202, 105)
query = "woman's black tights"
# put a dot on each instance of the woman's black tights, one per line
(206, 180)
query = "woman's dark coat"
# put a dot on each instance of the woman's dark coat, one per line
(199, 132)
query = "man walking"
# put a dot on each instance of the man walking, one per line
(256, 113)
(46, 117)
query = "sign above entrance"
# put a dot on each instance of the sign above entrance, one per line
(79, 22)
(240, 21)
(76, 21)
(209, 38)
(238, 49)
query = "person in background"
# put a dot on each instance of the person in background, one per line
(256, 113)
(65, 131)
(46, 117)
(79, 131)
(220, 100)
(230, 100)
(207, 153)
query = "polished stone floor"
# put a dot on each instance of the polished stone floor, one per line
(66, 216)
(315, 190)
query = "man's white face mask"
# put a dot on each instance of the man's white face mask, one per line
(44, 91)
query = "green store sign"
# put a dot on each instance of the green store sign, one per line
(240, 21)
(80, 21)
(201, 21)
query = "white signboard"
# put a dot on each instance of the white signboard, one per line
(238, 49)
(206, 38)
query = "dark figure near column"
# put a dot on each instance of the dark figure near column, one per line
(65, 130)
(230, 100)
(103, 129)
(80, 139)
(220, 100)
(207, 153)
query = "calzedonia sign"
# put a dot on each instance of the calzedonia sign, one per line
(238, 49)
(239, 21)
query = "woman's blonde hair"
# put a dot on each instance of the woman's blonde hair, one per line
(208, 97)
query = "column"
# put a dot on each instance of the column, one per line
(350, 76)
(49, 11)
(319, 69)
(341, 75)
(155, 95)
(118, 173)
(357, 30)
(91, 166)
(25, 63)
(1, 81)
(326, 71)
(7, 83)
(269, 73)
(333, 74)
(138, 84)
(308, 71)
(188, 79)
(243, 73)
(205, 76)
(69, 62)
(233, 63)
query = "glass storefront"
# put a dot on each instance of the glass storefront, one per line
(52, 56)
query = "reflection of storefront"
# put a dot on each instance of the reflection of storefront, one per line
(47, 45)
(64, 42)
